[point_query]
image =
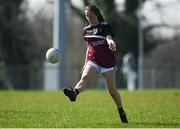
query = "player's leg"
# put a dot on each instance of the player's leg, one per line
(88, 74)
(111, 87)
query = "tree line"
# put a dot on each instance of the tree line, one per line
(23, 41)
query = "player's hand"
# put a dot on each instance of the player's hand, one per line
(112, 44)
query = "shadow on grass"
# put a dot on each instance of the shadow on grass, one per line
(156, 124)
(145, 124)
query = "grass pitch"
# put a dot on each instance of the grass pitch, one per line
(93, 109)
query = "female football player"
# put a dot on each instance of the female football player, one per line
(100, 58)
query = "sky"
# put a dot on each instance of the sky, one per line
(168, 14)
(36, 5)
(171, 11)
(40, 3)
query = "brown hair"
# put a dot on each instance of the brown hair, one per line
(96, 11)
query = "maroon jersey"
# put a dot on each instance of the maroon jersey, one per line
(99, 51)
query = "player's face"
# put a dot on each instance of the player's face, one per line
(91, 17)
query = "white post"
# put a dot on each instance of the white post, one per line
(140, 49)
(60, 38)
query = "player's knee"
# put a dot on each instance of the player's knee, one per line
(85, 78)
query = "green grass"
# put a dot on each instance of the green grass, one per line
(93, 109)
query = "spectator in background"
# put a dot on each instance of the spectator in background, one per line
(129, 70)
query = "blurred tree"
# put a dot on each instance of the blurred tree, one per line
(14, 33)
(19, 48)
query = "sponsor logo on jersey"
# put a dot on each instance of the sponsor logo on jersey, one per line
(99, 42)
(92, 31)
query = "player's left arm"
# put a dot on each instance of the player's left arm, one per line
(110, 41)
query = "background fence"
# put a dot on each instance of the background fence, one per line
(35, 77)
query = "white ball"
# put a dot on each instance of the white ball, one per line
(53, 55)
